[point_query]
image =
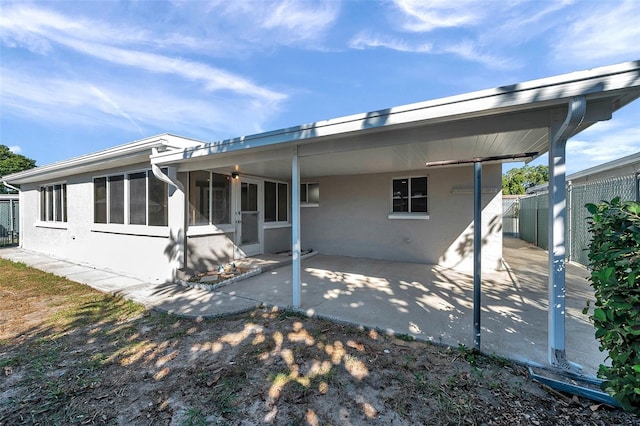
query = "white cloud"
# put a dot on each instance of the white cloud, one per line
(15, 149)
(422, 16)
(52, 27)
(304, 20)
(366, 40)
(469, 51)
(136, 109)
(601, 32)
(605, 141)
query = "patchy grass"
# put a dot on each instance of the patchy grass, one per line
(72, 355)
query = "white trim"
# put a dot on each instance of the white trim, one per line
(309, 205)
(410, 216)
(118, 228)
(52, 225)
(276, 225)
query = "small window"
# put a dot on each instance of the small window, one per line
(276, 202)
(116, 199)
(310, 194)
(53, 203)
(100, 200)
(138, 198)
(157, 201)
(409, 195)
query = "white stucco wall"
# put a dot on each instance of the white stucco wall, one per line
(80, 240)
(352, 219)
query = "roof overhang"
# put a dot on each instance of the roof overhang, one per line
(119, 156)
(506, 121)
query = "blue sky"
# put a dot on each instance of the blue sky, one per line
(77, 77)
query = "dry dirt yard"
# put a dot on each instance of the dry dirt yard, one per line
(71, 355)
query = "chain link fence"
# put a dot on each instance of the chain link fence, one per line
(9, 222)
(534, 219)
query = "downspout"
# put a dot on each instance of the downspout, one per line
(557, 221)
(179, 239)
(8, 185)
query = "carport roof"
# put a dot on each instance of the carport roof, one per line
(505, 122)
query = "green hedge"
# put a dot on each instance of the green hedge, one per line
(614, 258)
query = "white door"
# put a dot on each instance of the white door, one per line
(249, 220)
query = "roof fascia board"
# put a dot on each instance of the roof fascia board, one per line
(533, 94)
(120, 152)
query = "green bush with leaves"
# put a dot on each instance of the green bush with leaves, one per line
(614, 257)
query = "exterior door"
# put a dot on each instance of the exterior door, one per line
(249, 220)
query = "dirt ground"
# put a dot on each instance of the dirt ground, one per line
(71, 355)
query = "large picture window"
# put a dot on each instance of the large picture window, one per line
(276, 202)
(409, 195)
(209, 198)
(145, 201)
(53, 203)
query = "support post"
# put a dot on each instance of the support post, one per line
(295, 228)
(477, 251)
(557, 227)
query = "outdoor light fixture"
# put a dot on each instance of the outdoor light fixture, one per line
(235, 175)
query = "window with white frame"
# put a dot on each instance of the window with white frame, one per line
(137, 198)
(209, 198)
(309, 194)
(276, 202)
(409, 195)
(53, 203)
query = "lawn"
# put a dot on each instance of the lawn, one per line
(72, 355)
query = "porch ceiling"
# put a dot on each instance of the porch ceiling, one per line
(394, 158)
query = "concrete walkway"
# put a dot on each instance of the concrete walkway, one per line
(425, 301)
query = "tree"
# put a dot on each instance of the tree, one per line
(12, 163)
(517, 180)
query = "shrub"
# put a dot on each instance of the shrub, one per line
(614, 258)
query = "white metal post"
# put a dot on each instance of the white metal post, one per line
(557, 225)
(477, 251)
(295, 227)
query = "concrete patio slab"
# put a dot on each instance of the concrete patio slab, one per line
(424, 301)
(436, 304)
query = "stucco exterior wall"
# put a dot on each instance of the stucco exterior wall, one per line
(206, 252)
(352, 219)
(80, 240)
(277, 239)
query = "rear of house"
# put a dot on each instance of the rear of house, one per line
(118, 218)
(398, 184)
